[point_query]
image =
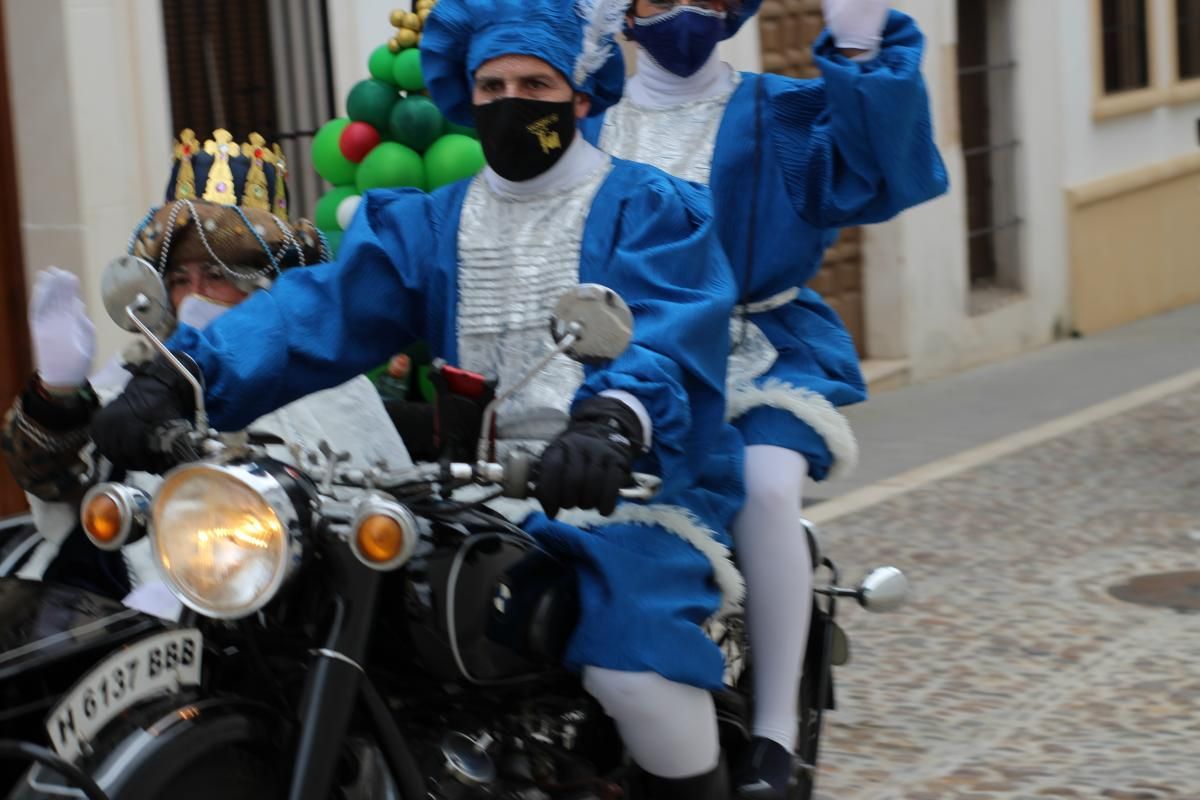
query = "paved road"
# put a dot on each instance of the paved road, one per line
(1015, 673)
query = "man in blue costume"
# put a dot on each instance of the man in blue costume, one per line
(474, 269)
(788, 162)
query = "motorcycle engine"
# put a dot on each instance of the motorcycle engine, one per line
(546, 749)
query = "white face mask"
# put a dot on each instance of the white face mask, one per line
(200, 312)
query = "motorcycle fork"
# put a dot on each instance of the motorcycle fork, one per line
(335, 677)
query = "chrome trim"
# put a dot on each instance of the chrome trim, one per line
(883, 589)
(267, 487)
(132, 503)
(325, 652)
(375, 505)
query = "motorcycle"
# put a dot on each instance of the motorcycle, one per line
(370, 634)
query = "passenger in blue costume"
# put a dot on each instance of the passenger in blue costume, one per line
(788, 162)
(474, 269)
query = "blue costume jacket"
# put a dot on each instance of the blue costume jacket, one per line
(793, 161)
(650, 574)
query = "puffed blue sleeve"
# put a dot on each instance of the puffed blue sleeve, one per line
(667, 264)
(319, 326)
(857, 146)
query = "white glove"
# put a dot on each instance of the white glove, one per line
(856, 24)
(64, 339)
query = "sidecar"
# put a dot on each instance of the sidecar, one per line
(50, 636)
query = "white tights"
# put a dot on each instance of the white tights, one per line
(774, 556)
(670, 729)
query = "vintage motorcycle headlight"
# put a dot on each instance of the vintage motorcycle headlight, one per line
(225, 537)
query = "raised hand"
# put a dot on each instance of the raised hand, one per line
(64, 338)
(856, 24)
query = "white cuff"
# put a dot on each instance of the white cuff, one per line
(636, 405)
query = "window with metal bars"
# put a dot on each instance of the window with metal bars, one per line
(1187, 20)
(253, 66)
(986, 70)
(1125, 32)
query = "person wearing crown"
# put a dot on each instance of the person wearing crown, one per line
(474, 269)
(789, 162)
(222, 234)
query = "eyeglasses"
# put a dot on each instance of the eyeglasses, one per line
(707, 5)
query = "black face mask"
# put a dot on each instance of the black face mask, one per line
(523, 138)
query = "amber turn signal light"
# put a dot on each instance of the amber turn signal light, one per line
(102, 520)
(110, 514)
(380, 538)
(384, 534)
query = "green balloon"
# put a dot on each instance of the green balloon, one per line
(406, 70)
(327, 156)
(380, 64)
(416, 122)
(463, 129)
(327, 206)
(452, 158)
(391, 164)
(371, 101)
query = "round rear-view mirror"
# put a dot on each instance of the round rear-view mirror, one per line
(130, 281)
(599, 318)
(884, 589)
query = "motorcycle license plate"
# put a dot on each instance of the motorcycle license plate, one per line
(159, 664)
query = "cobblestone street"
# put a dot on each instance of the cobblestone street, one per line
(1015, 673)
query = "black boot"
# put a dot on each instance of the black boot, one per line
(764, 771)
(709, 786)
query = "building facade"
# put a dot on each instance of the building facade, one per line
(1069, 129)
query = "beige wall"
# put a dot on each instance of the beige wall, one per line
(1135, 244)
(92, 132)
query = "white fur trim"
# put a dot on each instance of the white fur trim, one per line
(602, 20)
(807, 406)
(686, 526)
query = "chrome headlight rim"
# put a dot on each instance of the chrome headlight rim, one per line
(264, 484)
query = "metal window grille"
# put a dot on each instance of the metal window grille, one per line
(253, 66)
(986, 72)
(1124, 31)
(1187, 16)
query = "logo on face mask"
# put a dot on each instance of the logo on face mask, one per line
(547, 136)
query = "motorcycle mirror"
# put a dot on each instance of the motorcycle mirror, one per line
(131, 282)
(884, 589)
(599, 319)
(136, 299)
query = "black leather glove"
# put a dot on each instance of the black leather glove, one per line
(156, 397)
(589, 462)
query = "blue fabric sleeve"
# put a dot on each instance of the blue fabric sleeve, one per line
(667, 264)
(319, 326)
(857, 147)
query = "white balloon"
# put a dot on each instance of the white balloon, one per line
(346, 210)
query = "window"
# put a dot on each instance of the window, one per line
(1124, 30)
(253, 66)
(1187, 19)
(986, 71)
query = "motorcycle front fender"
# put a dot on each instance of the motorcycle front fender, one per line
(150, 746)
(50, 636)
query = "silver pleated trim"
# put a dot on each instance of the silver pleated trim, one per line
(516, 258)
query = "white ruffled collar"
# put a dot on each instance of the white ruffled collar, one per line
(655, 87)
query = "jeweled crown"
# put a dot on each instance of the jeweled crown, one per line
(249, 174)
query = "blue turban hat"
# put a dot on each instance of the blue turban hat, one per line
(738, 13)
(576, 37)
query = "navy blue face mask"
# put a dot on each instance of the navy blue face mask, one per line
(680, 40)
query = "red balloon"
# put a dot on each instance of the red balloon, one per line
(358, 139)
